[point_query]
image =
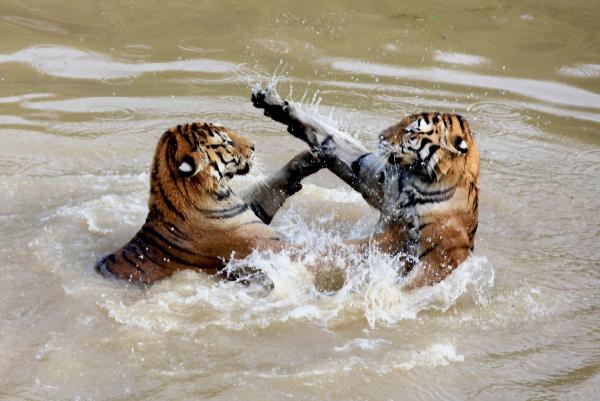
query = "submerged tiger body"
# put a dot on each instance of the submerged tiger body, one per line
(424, 179)
(195, 220)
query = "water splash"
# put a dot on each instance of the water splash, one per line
(371, 292)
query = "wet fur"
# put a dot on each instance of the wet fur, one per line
(424, 180)
(195, 220)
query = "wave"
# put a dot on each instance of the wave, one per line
(549, 91)
(68, 62)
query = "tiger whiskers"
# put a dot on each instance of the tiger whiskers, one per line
(258, 170)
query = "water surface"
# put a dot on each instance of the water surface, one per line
(87, 88)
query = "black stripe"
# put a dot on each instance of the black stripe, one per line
(432, 150)
(154, 233)
(224, 213)
(473, 231)
(138, 242)
(173, 170)
(169, 204)
(222, 195)
(413, 201)
(210, 131)
(434, 193)
(174, 230)
(427, 251)
(223, 159)
(448, 121)
(169, 255)
(461, 121)
(422, 226)
(250, 223)
(196, 139)
(159, 264)
(423, 143)
(154, 214)
(454, 248)
(215, 166)
(426, 118)
(126, 258)
(188, 138)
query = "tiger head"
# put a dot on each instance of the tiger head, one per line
(200, 158)
(432, 143)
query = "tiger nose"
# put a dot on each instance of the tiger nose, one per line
(252, 147)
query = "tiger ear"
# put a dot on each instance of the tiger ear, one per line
(187, 167)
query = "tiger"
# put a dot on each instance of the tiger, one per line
(195, 220)
(423, 179)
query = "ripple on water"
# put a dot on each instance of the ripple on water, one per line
(33, 23)
(371, 293)
(459, 58)
(581, 71)
(135, 52)
(68, 62)
(549, 91)
(196, 45)
(497, 110)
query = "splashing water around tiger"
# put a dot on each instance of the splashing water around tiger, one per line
(371, 290)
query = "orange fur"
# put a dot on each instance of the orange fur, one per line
(446, 232)
(195, 220)
(424, 180)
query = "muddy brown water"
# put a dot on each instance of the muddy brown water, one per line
(86, 89)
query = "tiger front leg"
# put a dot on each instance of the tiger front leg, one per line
(266, 197)
(316, 133)
(344, 156)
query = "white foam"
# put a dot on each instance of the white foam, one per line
(372, 292)
(581, 71)
(438, 354)
(68, 62)
(459, 58)
(108, 212)
(364, 344)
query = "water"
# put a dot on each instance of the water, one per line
(86, 89)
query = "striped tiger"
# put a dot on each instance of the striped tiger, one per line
(195, 220)
(424, 180)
